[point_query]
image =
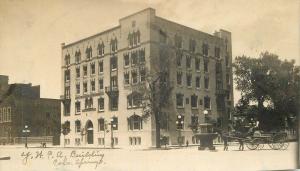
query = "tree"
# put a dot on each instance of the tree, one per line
(270, 81)
(65, 130)
(157, 89)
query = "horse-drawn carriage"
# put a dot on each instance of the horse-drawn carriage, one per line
(256, 139)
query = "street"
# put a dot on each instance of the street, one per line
(185, 158)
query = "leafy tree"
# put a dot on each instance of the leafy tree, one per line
(65, 130)
(268, 80)
(157, 90)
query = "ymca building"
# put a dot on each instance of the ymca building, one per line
(100, 74)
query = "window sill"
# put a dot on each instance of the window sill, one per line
(135, 130)
(115, 69)
(101, 111)
(194, 108)
(77, 113)
(180, 107)
(189, 87)
(126, 66)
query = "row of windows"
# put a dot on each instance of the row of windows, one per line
(133, 100)
(189, 78)
(135, 57)
(194, 101)
(133, 77)
(89, 51)
(193, 44)
(5, 114)
(189, 62)
(135, 122)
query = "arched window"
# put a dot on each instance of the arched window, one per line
(77, 56)
(135, 122)
(130, 40)
(100, 49)
(77, 126)
(138, 35)
(67, 59)
(88, 52)
(114, 45)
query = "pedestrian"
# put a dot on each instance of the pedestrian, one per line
(187, 143)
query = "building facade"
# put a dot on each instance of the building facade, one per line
(20, 105)
(100, 75)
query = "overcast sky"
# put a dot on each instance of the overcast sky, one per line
(31, 31)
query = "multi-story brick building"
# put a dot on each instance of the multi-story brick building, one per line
(20, 105)
(100, 73)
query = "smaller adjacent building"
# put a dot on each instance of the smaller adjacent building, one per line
(20, 105)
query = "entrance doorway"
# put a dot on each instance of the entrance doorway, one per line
(90, 132)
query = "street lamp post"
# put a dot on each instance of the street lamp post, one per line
(112, 126)
(179, 123)
(205, 112)
(26, 131)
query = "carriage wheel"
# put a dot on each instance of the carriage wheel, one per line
(279, 142)
(252, 144)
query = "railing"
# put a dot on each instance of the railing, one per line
(110, 89)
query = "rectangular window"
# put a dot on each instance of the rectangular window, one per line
(78, 88)
(143, 75)
(67, 109)
(85, 70)
(188, 61)
(126, 60)
(114, 103)
(189, 80)
(178, 58)
(67, 75)
(179, 100)
(77, 107)
(101, 141)
(93, 85)
(197, 64)
(114, 81)
(126, 78)
(205, 49)
(77, 72)
(205, 65)
(197, 82)
(134, 77)
(217, 52)
(227, 79)
(206, 82)
(142, 55)
(101, 124)
(134, 58)
(194, 101)
(101, 67)
(114, 63)
(227, 61)
(192, 45)
(85, 87)
(178, 41)
(206, 102)
(101, 84)
(93, 68)
(101, 104)
(179, 78)
(67, 92)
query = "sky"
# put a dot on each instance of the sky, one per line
(31, 31)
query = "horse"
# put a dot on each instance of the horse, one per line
(233, 136)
